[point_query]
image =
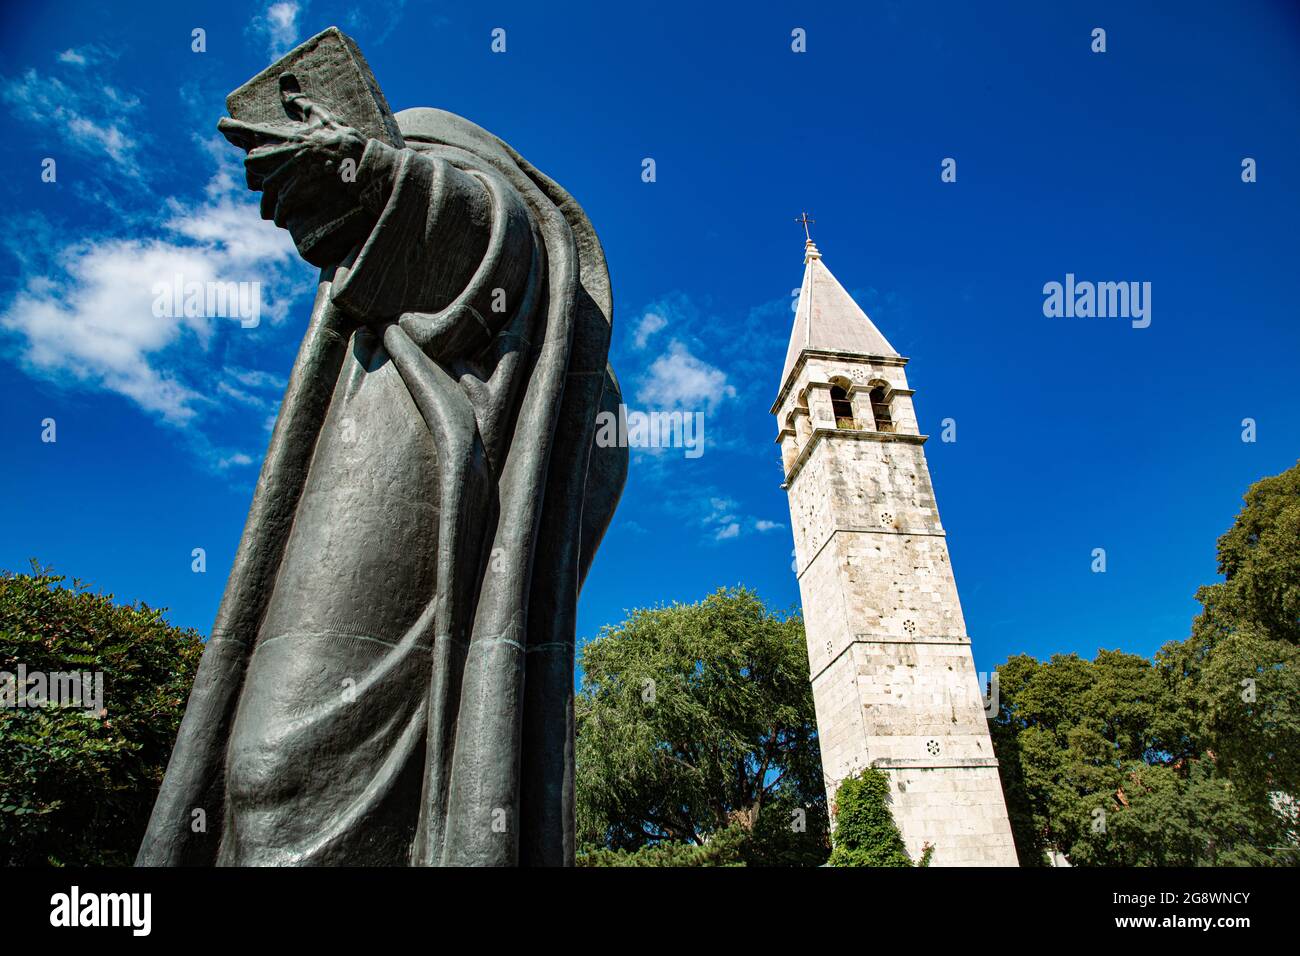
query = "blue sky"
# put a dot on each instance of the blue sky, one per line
(1072, 434)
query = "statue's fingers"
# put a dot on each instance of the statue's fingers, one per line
(307, 110)
(296, 104)
(264, 169)
(271, 157)
(322, 118)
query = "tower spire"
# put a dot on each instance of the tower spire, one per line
(809, 247)
(826, 317)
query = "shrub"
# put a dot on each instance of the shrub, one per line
(865, 833)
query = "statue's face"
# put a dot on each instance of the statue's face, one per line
(310, 201)
(324, 225)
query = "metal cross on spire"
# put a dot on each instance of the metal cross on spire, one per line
(804, 221)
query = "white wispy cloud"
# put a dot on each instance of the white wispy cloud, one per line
(650, 323)
(278, 26)
(96, 118)
(679, 379)
(90, 54)
(719, 519)
(88, 320)
(256, 378)
(92, 323)
(243, 396)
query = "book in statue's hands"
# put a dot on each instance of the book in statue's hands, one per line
(329, 70)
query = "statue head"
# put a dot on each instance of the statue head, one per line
(301, 168)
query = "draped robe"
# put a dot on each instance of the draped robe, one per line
(389, 680)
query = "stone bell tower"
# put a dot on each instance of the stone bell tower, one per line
(890, 661)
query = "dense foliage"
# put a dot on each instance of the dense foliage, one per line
(1184, 761)
(695, 718)
(76, 786)
(865, 832)
(1239, 672)
(726, 847)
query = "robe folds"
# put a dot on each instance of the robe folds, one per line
(389, 680)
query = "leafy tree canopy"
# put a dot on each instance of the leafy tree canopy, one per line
(696, 717)
(76, 785)
(1240, 669)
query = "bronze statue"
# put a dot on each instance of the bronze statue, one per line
(389, 680)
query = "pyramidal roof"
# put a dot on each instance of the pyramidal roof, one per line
(828, 319)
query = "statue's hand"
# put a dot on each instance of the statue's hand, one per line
(326, 140)
(304, 165)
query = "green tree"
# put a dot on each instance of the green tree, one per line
(1184, 761)
(694, 718)
(76, 788)
(1240, 670)
(1101, 760)
(865, 832)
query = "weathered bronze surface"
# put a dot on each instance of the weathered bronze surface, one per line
(390, 676)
